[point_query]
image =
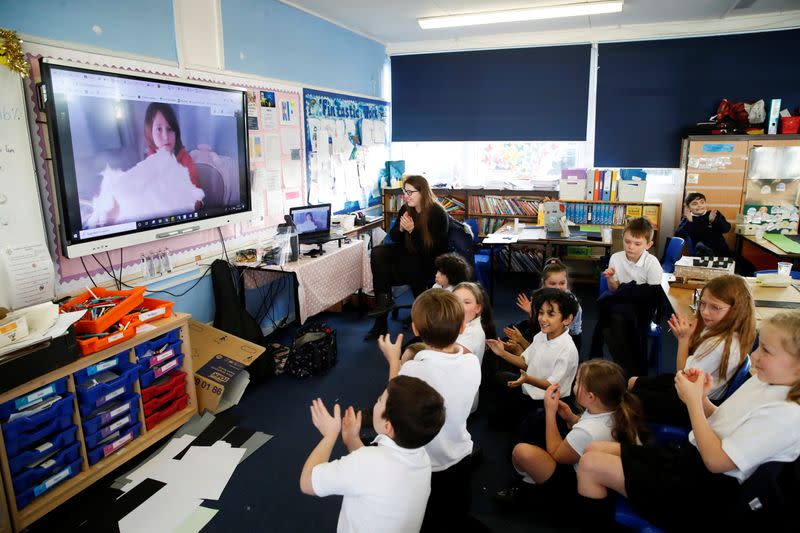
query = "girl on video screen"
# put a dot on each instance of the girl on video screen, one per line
(162, 132)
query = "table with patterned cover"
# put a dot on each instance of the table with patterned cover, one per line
(320, 281)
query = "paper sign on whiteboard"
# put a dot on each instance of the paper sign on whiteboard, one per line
(30, 275)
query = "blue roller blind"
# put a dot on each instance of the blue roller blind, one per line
(520, 94)
(649, 92)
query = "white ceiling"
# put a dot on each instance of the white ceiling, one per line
(394, 22)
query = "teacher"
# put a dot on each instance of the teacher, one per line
(419, 235)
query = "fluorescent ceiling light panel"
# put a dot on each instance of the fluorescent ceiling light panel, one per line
(518, 15)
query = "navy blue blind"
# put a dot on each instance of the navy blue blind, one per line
(649, 92)
(510, 95)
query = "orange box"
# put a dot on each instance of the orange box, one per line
(155, 310)
(133, 298)
(96, 344)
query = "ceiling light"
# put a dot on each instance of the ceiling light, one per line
(517, 15)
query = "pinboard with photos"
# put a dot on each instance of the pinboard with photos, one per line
(347, 147)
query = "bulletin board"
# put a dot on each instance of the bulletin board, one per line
(75, 274)
(276, 155)
(347, 147)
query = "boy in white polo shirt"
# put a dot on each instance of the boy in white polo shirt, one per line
(385, 486)
(551, 358)
(625, 311)
(438, 317)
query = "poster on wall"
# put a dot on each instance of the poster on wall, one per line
(275, 152)
(346, 147)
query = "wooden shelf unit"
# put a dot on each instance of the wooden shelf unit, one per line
(89, 474)
(471, 198)
(717, 166)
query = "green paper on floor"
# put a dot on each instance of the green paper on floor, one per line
(783, 242)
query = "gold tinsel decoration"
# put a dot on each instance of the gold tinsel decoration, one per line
(11, 54)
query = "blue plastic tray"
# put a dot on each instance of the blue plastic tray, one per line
(158, 342)
(24, 440)
(24, 498)
(146, 379)
(113, 363)
(21, 402)
(32, 476)
(117, 427)
(109, 448)
(31, 423)
(60, 440)
(91, 399)
(173, 350)
(118, 408)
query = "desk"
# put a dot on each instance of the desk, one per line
(763, 254)
(538, 235)
(319, 282)
(680, 299)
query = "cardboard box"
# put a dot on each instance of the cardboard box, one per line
(220, 361)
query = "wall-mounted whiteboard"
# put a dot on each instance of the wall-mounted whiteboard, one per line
(26, 269)
(347, 147)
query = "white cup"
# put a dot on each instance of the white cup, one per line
(784, 269)
(759, 233)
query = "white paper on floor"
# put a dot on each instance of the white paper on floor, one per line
(163, 511)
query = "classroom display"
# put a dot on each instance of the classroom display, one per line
(65, 430)
(346, 149)
(143, 158)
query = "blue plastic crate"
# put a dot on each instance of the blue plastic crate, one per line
(91, 399)
(146, 379)
(25, 498)
(18, 463)
(32, 476)
(110, 412)
(113, 363)
(104, 450)
(154, 344)
(172, 350)
(21, 402)
(115, 429)
(23, 440)
(23, 425)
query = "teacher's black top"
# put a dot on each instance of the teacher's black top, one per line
(437, 224)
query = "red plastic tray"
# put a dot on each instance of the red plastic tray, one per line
(156, 310)
(134, 297)
(159, 416)
(158, 402)
(176, 376)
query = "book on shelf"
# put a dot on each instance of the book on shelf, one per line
(452, 205)
(650, 212)
(633, 211)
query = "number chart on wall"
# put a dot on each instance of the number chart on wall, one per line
(346, 149)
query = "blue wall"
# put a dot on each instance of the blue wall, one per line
(144, 27)
(279, 41)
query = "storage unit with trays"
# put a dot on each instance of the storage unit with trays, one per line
(61, 431)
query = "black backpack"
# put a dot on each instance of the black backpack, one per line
(231, 317)
(313, 351)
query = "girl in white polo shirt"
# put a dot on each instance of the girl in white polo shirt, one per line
(478, 322)
(699, 484)
(718, 338)
(611, 413)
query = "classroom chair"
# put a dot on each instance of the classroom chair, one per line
(794, 273)
(653, 333)
(624, 515)
(672, 252)
(483, 259)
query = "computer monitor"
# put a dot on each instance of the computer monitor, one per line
(312, 220)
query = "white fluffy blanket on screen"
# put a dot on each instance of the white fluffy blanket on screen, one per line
(156, 187)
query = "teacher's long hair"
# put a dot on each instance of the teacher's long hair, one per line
(427, 202)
